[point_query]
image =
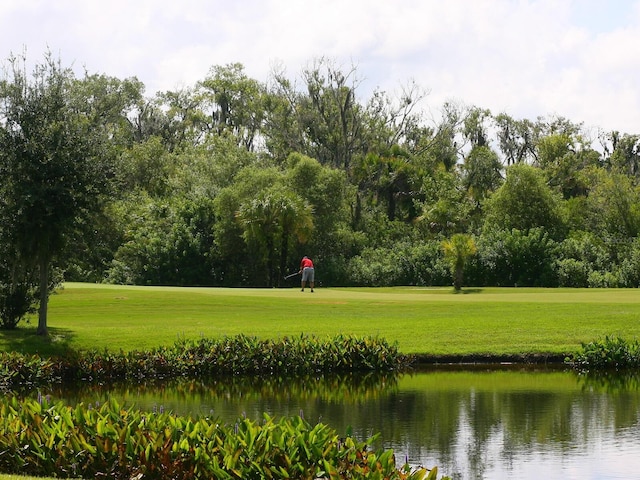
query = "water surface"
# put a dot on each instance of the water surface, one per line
(481, 423)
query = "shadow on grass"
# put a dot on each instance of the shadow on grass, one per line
(465, 291)
(25, 340)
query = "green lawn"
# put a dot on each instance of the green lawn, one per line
(422, 320)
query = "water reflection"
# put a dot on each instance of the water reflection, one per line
(474, 424)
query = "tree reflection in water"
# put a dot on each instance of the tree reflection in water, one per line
(484, 422)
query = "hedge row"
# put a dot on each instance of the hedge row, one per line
(239, 355)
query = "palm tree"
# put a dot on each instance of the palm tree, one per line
(457, 250)
(270, 222)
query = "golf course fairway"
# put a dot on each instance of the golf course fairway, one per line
(429, 321)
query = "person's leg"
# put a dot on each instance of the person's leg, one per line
(312, 278)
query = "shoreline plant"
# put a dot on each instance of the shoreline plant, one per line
(609, 353)
(228, 356)
(38, 438)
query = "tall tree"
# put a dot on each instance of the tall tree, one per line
(111, 103)
(481, 173)
(475, 128)
(613, 204)
(516, 138)
(236, 102)
(563, 158)
(270, 222)
(391, 179)
(324, 122)
(53, 170)
(622, 153)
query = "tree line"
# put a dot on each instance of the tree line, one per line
(230, 181)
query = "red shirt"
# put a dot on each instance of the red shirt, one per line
(306, 262)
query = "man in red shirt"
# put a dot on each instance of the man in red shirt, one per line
(308, 273)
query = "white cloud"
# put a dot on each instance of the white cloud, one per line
(575, 58)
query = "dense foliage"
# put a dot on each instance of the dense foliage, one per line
(240, 355)
(610, 353)
(109, 441)
(231, 181)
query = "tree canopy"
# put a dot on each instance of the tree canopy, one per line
(230, 181)
(53, 164)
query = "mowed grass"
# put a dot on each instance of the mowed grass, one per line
(435, 321)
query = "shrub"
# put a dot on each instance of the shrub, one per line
(16, 301)
(599, 279)
(611, 353)
(18, 289)
(420, 264)
(37, 438)
(26, 371)
(239, 355)
(517, 258)
(572, 273)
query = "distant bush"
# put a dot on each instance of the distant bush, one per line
(403, 264)
(573, 273)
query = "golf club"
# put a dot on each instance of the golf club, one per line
(291, 275)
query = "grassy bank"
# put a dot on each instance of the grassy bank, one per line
(437, 321)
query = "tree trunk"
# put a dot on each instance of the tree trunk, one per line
(457, 278)
(44, 298)
(284, 251)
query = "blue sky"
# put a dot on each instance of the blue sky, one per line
(575, 58)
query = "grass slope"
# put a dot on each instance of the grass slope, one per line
(435, 321)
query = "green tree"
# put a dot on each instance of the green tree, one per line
(230, 249)
(475, 128)
(439, 147)
(328, 193)
(53, 168)
(562, 158)
(457, 251)
(392, 181)
(517, 139)
(524, 201)
(481, 173)
(270, 221)
(517, 258)
(622, 152)
(613, 205)
(324, 122)
(111, 103)
(236, 102)
(148, 166)
(167, 241)
(18, 287)
(444, 203)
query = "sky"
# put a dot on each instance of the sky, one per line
(579, 59)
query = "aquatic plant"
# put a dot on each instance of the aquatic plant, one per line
(108, 441)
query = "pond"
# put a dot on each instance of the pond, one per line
(483, 422)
